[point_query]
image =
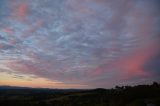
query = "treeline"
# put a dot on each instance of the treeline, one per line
(140, 95)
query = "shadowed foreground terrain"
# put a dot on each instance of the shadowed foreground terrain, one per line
(140, 95)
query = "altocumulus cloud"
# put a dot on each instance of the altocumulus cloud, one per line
(99, 43)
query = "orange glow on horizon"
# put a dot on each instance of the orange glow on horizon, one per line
(9, 80)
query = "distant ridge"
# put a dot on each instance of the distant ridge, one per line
(14, 87)
(5, 87)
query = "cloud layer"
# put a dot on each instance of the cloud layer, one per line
(99, 43)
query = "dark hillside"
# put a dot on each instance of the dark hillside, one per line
(140, 95)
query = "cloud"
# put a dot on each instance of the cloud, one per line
(20, 11)
(91, 42)
(152, 65)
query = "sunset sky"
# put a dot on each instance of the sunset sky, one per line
(79, 43)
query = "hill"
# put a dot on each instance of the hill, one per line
(140, 95)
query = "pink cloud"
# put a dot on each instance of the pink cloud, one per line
(20, 11)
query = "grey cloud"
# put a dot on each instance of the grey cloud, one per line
(67, 40)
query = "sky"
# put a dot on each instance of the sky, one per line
(79, 43)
